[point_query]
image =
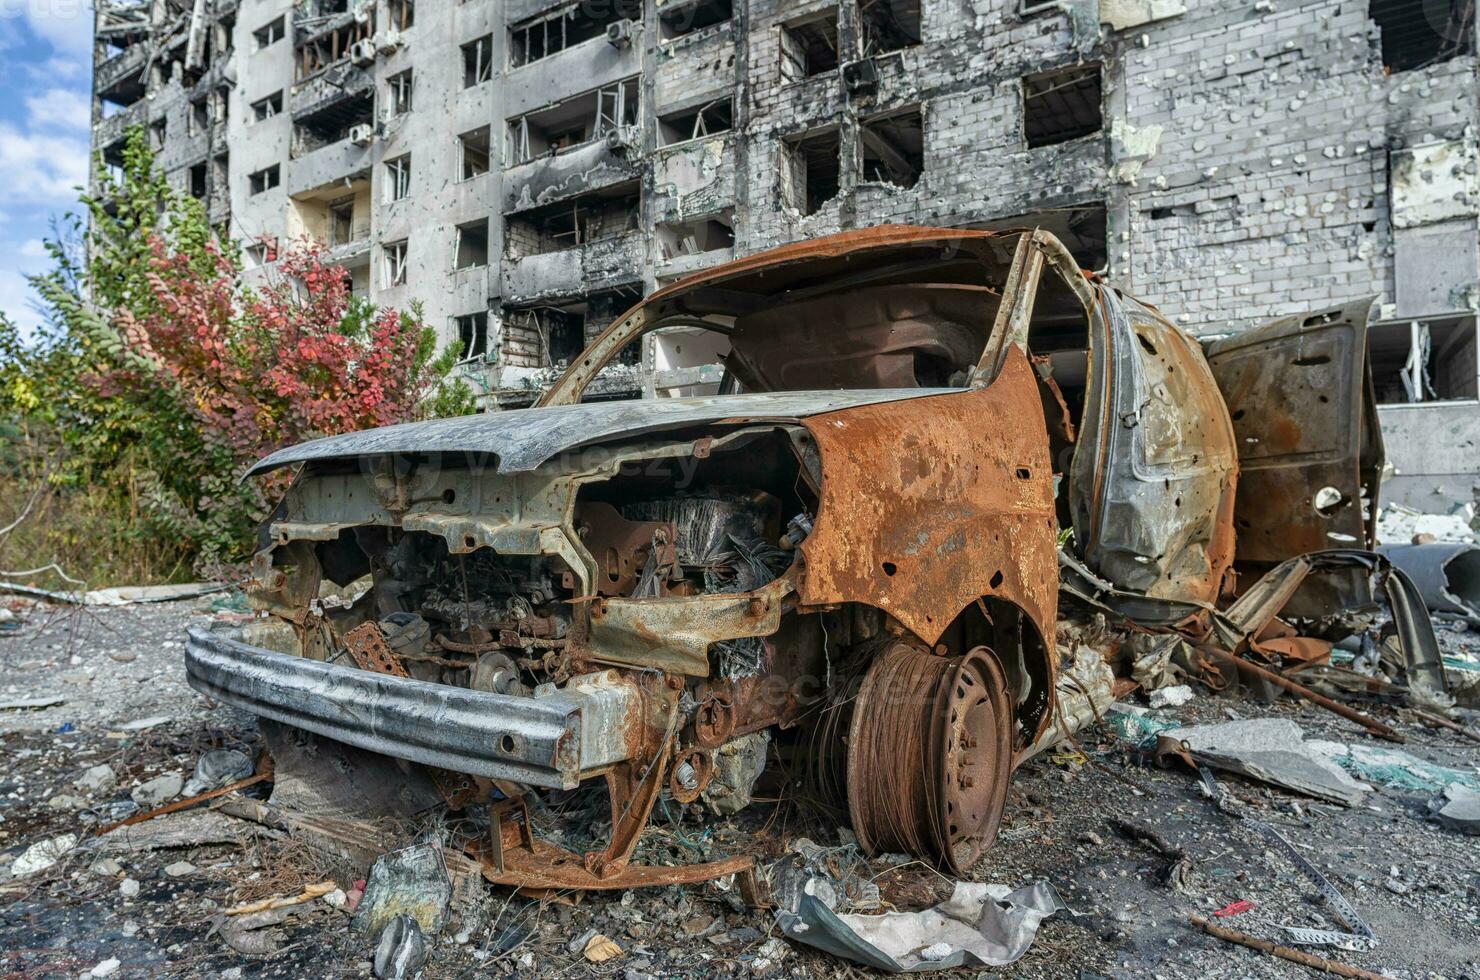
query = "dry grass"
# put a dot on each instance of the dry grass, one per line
(88, 532)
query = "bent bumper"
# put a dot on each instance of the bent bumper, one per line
(542, 741)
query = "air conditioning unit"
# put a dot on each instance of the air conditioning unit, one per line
(361, 134)
(387, 41)
(621, 138)
(861, 77)
(619, 33)
(362, 52)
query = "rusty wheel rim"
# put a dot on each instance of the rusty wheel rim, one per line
(928, 751)
(973, 747)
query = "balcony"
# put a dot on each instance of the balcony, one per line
(110, 130)
(574, 271)
(115, 78)
(569, 173)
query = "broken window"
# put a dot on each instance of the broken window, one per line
(398, 93)
(477, 61)
(580, 220)
(342, 228)
(260, 252)
(332, 46)
(893, 148)
(473, 149)
(1418, 33)
(810, 170)
(269, 33)
(398, 178)
(198, 118)
(543, 336)
(352, 118)
(677, 238)
(542, 36)
(472, 333)
(220, 103)
(393, 264)
(470, 250)
(401, 14)
(1061, 105)
(157, 131)
(221, 174)
(268, 107)
(706, 120)
(809, 47)
(888, 25)
(1423, 360)
(198, 182)
(580, 119)
(677, 20)
(264, 180)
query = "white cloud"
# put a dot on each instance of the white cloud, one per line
(17, 301)
(64, 24)
(41, 169)
(59, 108)
(33, 248)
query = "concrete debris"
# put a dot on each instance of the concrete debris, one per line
(216, 768)
(144, 724)
(1460, 809)
(97, 779)
(1085, 691)
(129, 888)
(401, 950)
(253, 934)
(1171, 697)
(43, 854)
(157, 791)
(1271, 750)
(31, 704)
(979, 925)
(1399, 525)
(412, 881)
(179, 869)
(106, 867)
(106, 968)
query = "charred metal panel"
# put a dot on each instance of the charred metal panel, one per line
(554, 178)
(1296, 389)
(1155, 468)
(524, 440)
(928, 505)
(674, 634)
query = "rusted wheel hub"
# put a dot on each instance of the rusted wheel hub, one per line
(929, 755)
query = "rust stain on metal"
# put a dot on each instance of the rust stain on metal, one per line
(928, 505)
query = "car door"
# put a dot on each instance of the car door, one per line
(1299, 392)
(1153, 474)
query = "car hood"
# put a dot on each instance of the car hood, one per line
(523, 439)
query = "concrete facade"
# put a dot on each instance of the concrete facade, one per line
(1228, 161)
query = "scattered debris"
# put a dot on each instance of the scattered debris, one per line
(1461, 809)
(179, 869)
(600, 949)
(1234, 908)
(216, 768)
(31, 704)
(1283, 952)
(1171, 697)
(97, 778)
(401, 950)
(412, 881)
(43, 854)
(1399, 525)
(157, 790)
(980, 924)
(1271, 750)
(1392, 767)
(309, 893)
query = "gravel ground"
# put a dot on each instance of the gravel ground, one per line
(1417, 883)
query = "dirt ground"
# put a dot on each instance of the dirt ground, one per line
(125, 704)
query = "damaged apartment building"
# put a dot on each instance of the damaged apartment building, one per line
(527, 169)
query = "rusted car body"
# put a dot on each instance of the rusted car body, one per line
(853, 550)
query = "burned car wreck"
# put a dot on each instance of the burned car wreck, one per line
(946, 471)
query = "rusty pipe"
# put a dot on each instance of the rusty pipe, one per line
(1280, 680)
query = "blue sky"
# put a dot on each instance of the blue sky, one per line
(45, 68)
